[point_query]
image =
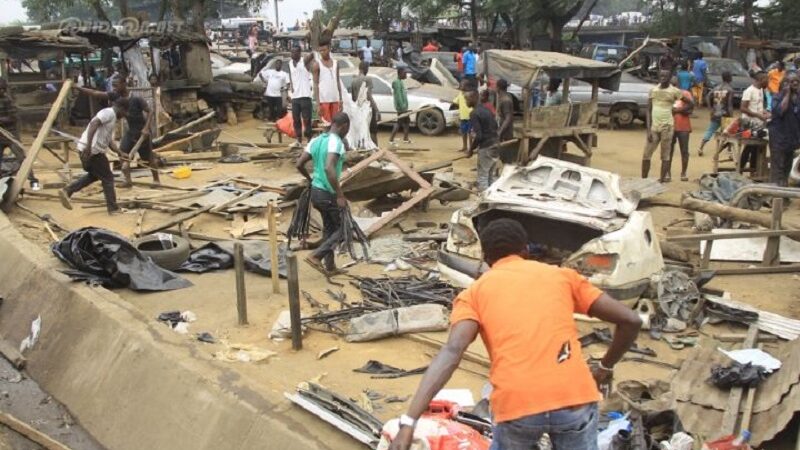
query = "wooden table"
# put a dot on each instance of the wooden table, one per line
(737, 145)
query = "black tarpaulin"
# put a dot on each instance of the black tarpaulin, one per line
(107, 258)
(219, 255)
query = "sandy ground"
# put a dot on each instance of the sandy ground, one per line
(213, 296)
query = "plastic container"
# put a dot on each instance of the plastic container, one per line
(730, 442)
(182, 172)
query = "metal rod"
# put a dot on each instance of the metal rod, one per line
(241, 294)
(273, 248)
(293, 286)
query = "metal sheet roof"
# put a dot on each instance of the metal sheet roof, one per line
(518, 66)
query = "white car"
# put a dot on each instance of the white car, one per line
(221, 65)
(344, 61)
(575, 216)
(431, 122)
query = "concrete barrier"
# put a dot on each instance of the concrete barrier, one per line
(126, 379)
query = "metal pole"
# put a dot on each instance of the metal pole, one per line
(294, 300)
(277, 20)
(241, 295)
(273, 247)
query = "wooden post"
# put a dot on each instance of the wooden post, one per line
(27, 164)
(273, 248)
(293, 286)
(772, 255)
(731, 415)
(241, 295)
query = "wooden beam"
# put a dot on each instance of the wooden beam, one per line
(772, 256)
(27, 165)
(176, 220)
(731, 414)
(31, 433)
(183, 128)
(735, 235)
(173, 144)
(738, 214)
(236, 199)
(786, 268)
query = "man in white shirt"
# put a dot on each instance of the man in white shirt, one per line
(366, 52)
(300, 79)
(754, 114)
(93, 145)
(276, 81)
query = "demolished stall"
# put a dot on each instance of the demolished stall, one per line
(547, 129)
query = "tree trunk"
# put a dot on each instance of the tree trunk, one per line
(199, 16)
(162, 10)
(473, 16)
(747, 12)
(124, 11)
(737, 214)
(584, 19)
(98, 10)
(684, 15)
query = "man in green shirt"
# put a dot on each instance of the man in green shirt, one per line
(660, 122)
(326, 152)
(400, 105)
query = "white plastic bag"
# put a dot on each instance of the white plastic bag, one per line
(604, 437)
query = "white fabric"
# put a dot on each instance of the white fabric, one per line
(367, 52)
(275, 80)
(756, 98)
(360, 114)
(301, 79)
(328, 83)
(103, 134)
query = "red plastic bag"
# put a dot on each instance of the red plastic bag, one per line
(438, 430)
(285, 125)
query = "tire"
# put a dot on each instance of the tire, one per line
(624, 115)
(431, 122)
(170, 258)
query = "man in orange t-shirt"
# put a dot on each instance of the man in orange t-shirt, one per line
(523, 311)
(775, 77)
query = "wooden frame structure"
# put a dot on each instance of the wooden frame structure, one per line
(425, 188)
(547, 129)
(737, 145)
(771, 260)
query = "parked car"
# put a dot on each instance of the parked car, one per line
(741, 79)
(613, 54)
(623, 106)
(431, 122)
(446, 58)
(575, 216)
(221, 65)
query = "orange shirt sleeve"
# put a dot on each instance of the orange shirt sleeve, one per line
(584, 293)
(464, 307)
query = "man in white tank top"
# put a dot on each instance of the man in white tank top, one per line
(300, 80)
(327, 88)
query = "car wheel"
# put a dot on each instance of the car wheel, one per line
(431, 122)
(623, 115)
(168, 254)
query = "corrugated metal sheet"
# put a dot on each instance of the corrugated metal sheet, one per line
(772, 323)
(701, 405)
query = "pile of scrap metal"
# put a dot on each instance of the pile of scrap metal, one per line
(390, 307)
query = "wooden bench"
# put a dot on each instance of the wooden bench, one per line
(737, 145)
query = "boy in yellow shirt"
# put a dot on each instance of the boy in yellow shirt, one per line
(464, 111)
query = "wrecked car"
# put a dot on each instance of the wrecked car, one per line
(575, 216)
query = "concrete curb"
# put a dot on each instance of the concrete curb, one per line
(126, 379)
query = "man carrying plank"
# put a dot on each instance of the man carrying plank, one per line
(93, 145)
(139, 117)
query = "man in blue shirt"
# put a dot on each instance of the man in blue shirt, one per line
(784, 130)
(326, 152)
(470, 62)
(685, 78)
(700, 72)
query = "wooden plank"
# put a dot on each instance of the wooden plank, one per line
(33, 152)
(184, 127)
(735, 235)
(273, 248)
(731, 414)
(176, 220)
(12, 354)
(236, 199)
(747, 413)
(173, 144)
(421, 195)
(787, 268)
(772, 256)
(706, 259)
(31, 433)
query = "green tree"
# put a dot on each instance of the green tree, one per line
(781, 19)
